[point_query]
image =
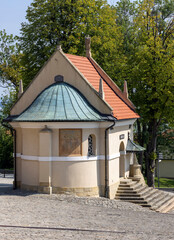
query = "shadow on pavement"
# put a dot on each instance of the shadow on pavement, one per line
(6, 187)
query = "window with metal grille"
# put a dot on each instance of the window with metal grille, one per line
(91, 145)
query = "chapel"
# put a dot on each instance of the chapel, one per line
(73, 129)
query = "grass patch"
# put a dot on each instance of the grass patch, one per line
(164, 182)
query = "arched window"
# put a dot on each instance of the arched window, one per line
(91, 145)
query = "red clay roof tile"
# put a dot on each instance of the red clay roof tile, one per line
(122, 108)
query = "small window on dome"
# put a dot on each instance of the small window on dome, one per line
(91, 145)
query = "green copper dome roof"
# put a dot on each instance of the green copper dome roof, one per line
(60, 102)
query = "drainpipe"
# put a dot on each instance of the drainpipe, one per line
(106, 159)
(13, 131)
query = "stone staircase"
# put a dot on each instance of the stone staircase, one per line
(132, 191)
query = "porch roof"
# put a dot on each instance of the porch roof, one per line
(133, 147)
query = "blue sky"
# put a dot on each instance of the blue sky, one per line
(12, 13)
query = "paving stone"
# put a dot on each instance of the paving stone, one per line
(26, 215)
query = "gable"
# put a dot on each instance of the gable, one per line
(58, 64)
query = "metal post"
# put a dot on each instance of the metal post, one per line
(158, 172)
(160, 157)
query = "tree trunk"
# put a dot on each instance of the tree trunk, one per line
(141, 130)
(151, 152)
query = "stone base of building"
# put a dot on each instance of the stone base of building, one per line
(18, 184)
(29, 188)
(98, 191)
(81, 192)
(113, 189)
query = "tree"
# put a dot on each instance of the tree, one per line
(6, 148)
(126, 11)
(10, 64)
(52, 22)
(151, 72)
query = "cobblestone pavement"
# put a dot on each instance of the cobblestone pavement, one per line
(24, 216)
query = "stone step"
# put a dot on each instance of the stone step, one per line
(125, 181)
(140, 202)
(125, 188)
(141, 193)
(156, 200)
(161, 202)
(134, 192)
(130, 194)
(128, 184)
(127, 191)
(146, 205)
(130, 198)
(140, 188)
(169, 205)
(146, 191)
(130, 188)
(153, 194)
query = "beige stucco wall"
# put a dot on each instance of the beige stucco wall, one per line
(30, 138)
(18, 170)
(123, 161)
(114, 141)
(113, 171)
(66, 173)
(30, 173)
(166, 168)
(59, 65)
(43, 173)
(19, 140)
(76, 174)
(36, 143)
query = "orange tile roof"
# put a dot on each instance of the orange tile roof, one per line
(122, 108)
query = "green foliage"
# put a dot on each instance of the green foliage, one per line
(126, 11)
(10, 60)
(6, 139)
(165, 141)
(7, 102)
(151, 70)
(6, 148)
(153, 156)
(152, 64)
(52, 22)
